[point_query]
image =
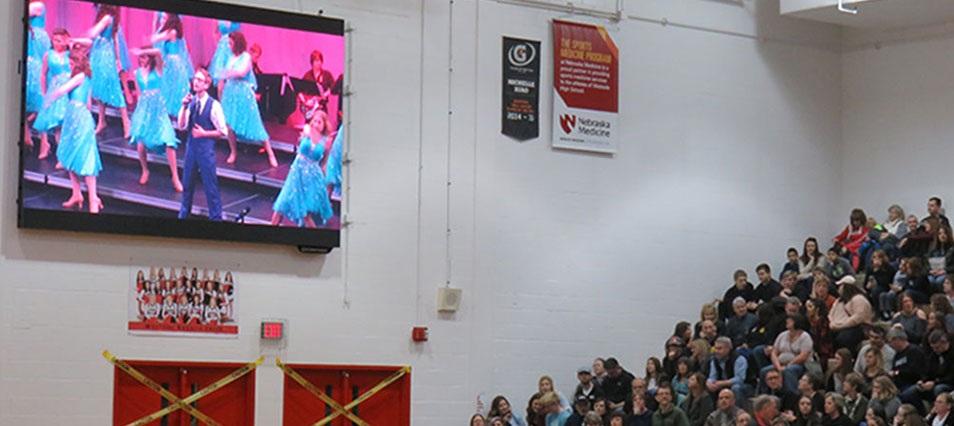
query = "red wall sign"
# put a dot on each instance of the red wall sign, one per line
(585, 87)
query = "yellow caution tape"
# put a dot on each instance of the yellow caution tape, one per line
(245, 369)
(149, 383)
(346, 410)
(317, 392)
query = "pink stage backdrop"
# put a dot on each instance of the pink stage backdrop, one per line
(284, 51)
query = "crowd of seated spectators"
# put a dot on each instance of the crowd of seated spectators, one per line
(857, 335)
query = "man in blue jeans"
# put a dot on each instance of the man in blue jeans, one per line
(201, 116)
(728, 370)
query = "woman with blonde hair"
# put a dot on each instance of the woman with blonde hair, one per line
(545, 385)
(711, 313)
(699, 354)
(884, 395)
(874, 366)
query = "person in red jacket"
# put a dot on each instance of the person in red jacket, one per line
(853, 236)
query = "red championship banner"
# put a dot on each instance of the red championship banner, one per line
(182, 301)
(585, 88)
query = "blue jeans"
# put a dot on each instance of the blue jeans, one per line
(888, 301)
(742, 393)
(911, 395)
(938, 282)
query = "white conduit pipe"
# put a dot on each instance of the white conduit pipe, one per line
(843, 9)
(571, 8)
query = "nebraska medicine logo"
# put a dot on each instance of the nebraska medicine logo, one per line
(567, 122)
(587, 126)
(522, 54)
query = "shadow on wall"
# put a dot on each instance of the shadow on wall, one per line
(815, 118)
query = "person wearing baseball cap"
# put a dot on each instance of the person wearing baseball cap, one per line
(616, 386)
(588, 388)
(581, 406)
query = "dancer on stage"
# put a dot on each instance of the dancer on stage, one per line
(160, 20)
(333, 165)
(107, 89)
(151, 129)
(37, 46)
(78, 152)
(202, 117)
(304, 192)
(223, 53)
(56, 71)
(124, 63)
(177, 69)
(238, 99)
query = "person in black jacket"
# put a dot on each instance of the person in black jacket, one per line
(908, 367)
(699, 403)
(879, 277)
(581, 406)
(616, 385)
(939, 375)
(768, 288)
(588, 388)
(942, 410)
(787, 399)
(835, 411)
(741, 288)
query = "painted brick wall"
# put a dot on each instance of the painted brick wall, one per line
(729, 150)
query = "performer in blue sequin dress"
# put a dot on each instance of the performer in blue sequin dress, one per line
(238, 100)
(222, 51)
(177, 71)
(107, 89)
(37, 46)
(151, 128)
(56, 71)
(125, 65)
(78, 152)
(333, 166)
(304, 192)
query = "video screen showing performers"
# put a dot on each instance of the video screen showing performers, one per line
(148, 113)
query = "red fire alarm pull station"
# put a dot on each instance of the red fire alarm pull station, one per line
(419, 334)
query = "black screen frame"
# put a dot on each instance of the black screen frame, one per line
(319, 240)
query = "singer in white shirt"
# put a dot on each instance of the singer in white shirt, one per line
(201, 116)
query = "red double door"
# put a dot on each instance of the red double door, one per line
(391, 406)
(232, 405)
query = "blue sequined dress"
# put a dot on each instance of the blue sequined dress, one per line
(239, 103)
(304, 191)
(102, 61)
(78, 151)
(124, 62)
(37, 46)
(220, 60)
(150, 123)
(175, 74)
(333, 165)
(57, 73)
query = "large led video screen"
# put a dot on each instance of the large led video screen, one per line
(182, 118)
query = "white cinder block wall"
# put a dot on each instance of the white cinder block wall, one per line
(896, 126)
(730, 153)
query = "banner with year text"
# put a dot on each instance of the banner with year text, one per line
(585, 88)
